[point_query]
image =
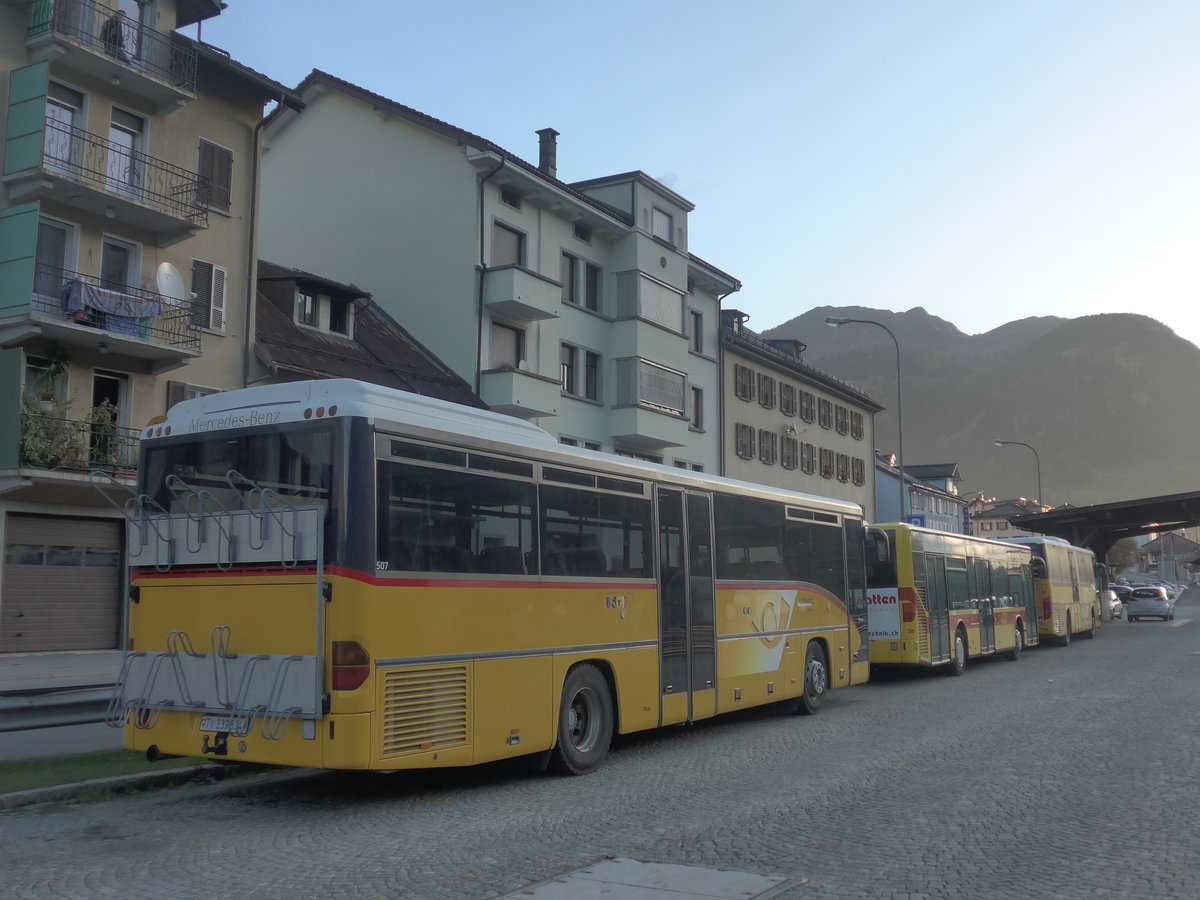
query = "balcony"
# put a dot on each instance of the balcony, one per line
(517, 294)
(93, 40)
(66, 307)
(520, 393)
(92, 173)
(647, 428)
(52, 442)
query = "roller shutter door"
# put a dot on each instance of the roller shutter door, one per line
(61, 588)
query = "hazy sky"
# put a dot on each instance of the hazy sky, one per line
(988, 161)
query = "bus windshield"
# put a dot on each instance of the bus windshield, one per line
(294, 461)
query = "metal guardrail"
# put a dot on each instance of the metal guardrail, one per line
(54, 708)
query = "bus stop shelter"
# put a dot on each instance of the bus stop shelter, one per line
(1099, 527)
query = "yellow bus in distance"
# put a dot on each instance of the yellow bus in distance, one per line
(1066, 580)
(940, 599)
(337, 575)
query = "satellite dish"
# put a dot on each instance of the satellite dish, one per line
(170, 283)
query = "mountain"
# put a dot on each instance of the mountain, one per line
(1111, 403)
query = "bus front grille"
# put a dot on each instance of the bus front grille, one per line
(424, 709)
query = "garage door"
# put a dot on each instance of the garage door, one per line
(61, 584)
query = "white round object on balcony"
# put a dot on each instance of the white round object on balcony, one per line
(170, 283)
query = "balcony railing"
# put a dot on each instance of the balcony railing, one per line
(106, 31)
(51, 442)
(123, 171)
(66, 296)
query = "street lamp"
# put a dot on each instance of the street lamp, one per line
(835, 322)
(1036, 458)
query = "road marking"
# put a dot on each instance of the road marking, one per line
(1179, 622)
(636, 880)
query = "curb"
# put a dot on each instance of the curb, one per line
(121, 784)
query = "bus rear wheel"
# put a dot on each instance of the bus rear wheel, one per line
(816, 680)
(958, 661)
(585, 723)
(1066, 635)
(1091, 632)
(1018, 643)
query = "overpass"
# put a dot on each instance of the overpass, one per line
(1099, 527)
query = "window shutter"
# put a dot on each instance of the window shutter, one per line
(176, 392)
(216, 176)
(202, 273)
(217, 318)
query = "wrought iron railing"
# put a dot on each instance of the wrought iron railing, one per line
(122, 171)
(165, 56)
(52, 442)
(63, 295)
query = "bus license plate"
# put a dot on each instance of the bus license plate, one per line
(228, 724)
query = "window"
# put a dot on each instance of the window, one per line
(787, 399)
(843, 467)
(61, 145)
(208, 284)
(768, 446)
(306, 308)
(591, 375)
(55, 241)
(119, 264)
(178, 391)
(509, 197)
(697, 336)
(766, 391)
(589, 534)
(643, 383)
(660, 304)
(125, 161)
(808, 457)
(568, 268)
(569, 368)
(789, 452)
(662, 225)
(808, 405)
(743, 382)
(507, 346)
(841, 417)
(339, 317)
(856, 426)
(826, 461)
(859, 470)
(743, 436)
(576, 442)
(697, 409)
(593, 287)
(216, 176)
(508, 246)
(570, 374)
(825, 413)
(583, 233)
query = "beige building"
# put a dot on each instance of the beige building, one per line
(127, 221)
(790, 425)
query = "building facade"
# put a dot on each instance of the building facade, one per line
(788, 424)
(576, 306)
(126, 262)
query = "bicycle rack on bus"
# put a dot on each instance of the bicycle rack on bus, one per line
(204, 532)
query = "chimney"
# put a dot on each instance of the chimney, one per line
(548, 152)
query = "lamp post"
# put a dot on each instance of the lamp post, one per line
(837, 321)
(1036, 458)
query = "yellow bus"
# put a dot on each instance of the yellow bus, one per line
(940, 599)
(1065, 581)
(338, 575)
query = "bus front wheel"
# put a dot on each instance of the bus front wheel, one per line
(585, 723)
(1018, 643)
(816, 680)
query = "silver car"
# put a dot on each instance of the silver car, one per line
(1150, 601)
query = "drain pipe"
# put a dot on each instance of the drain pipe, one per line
(252, 249)
(482, 272)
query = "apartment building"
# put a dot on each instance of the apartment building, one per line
(576, 306)
(788, 424)
(127, 217)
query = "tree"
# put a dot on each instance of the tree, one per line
(1122, 555)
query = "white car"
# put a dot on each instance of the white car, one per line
(1150, 601)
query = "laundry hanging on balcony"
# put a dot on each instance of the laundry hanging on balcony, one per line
(108, 309)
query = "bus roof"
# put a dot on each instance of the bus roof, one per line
(307, 401)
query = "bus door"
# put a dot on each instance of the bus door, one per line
(938, 607)
(686, 607)
(984, 594)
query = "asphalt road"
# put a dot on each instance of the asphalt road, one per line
(1070, 773)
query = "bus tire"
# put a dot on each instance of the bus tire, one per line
(1091, 632)
(1065, 640)
(958, 657)
(816, 680)
(1018, 644)
(585, 723)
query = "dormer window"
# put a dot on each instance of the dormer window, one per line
(306, 308)
(339, 318)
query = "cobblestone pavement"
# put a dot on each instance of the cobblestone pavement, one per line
(1070, 773)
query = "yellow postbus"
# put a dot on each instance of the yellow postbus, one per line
(1065, 583)
(940, 599)
(338, 575)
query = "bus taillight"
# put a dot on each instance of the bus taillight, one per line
(908, 612)
(351, 665)
(1047, 608)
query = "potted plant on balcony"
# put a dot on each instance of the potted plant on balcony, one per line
(48, 437)
(103, 421)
